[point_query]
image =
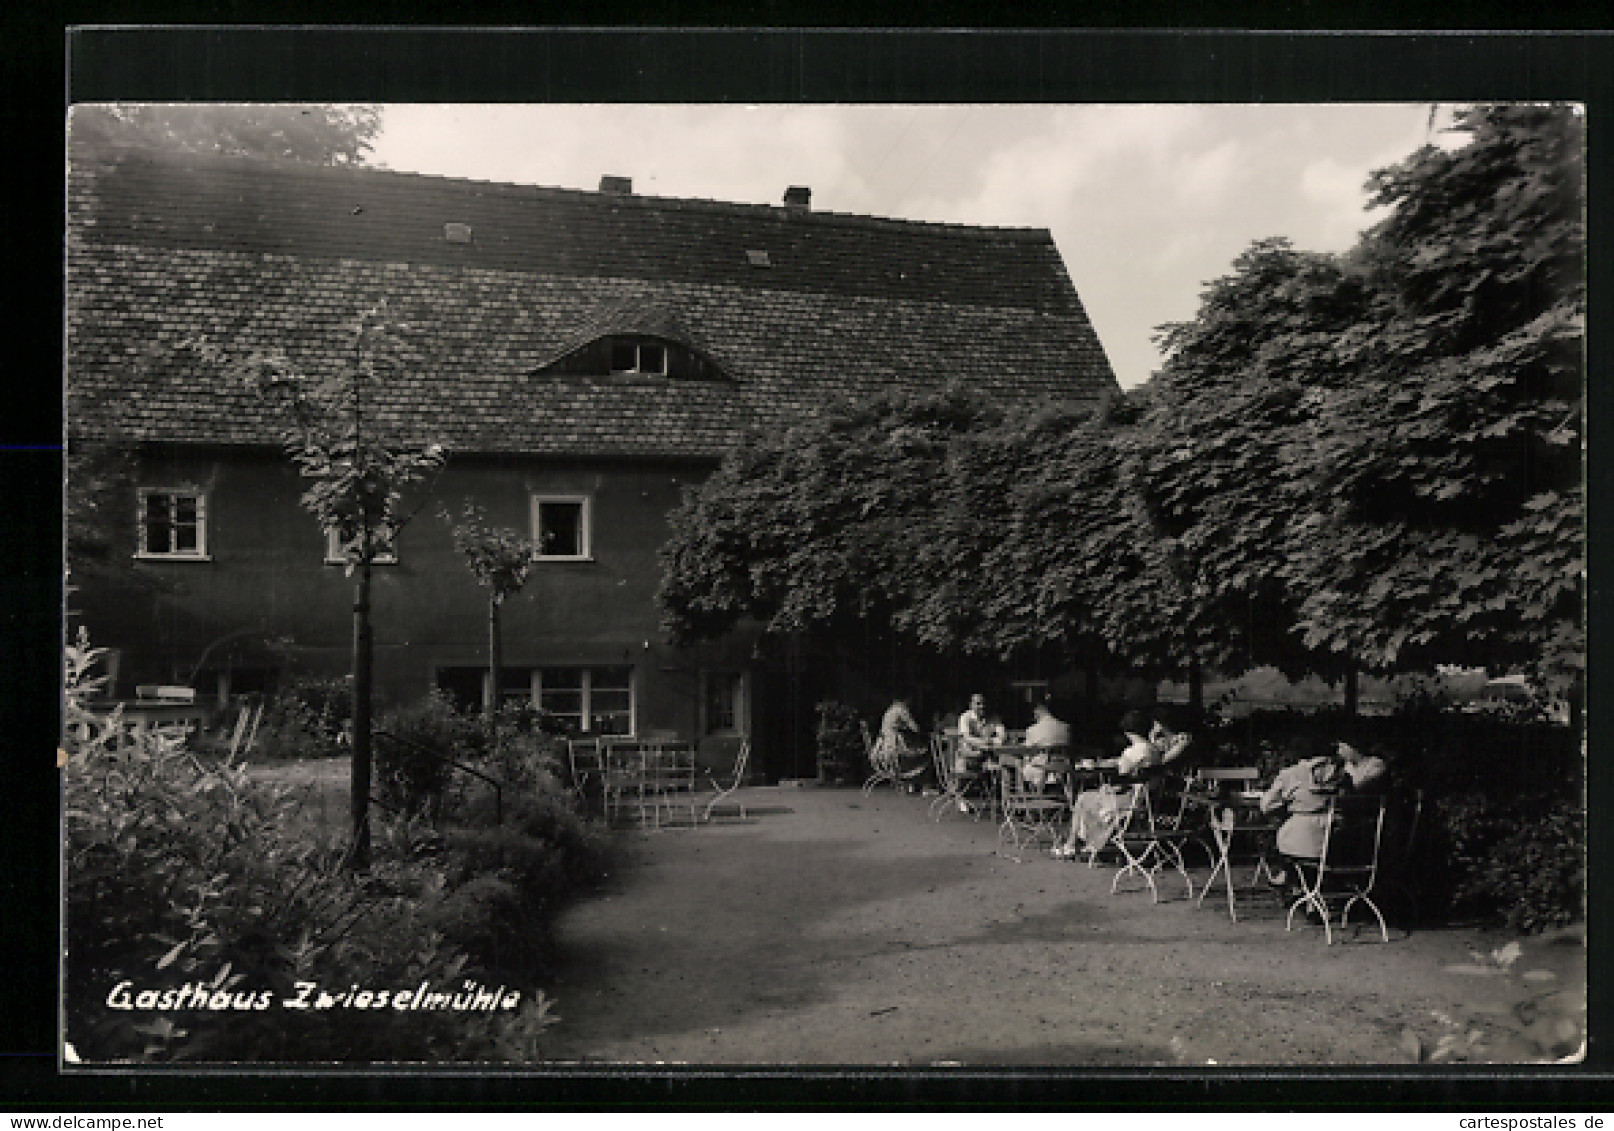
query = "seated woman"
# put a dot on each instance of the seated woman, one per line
(1366, 771)
(1169, 743)
(898, 744)
(1302, 792)
(1096, 813)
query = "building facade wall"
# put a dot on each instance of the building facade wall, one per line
(264, 602)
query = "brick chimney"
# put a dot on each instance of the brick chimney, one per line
(622, 186)
(798, 197)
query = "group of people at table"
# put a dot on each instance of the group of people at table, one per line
(1299, 794)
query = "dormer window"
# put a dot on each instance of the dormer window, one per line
(638, 355)
(634, 353)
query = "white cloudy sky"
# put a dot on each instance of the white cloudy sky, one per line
(1145, 202)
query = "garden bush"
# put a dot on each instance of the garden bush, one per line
(506, 882)
(488, 918)
(1520, 860)
(530, 753)
(414, 749)
(307, 718)
(182, 880)
(547, 848)
(841, 757)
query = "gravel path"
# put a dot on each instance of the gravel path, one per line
(833, 928)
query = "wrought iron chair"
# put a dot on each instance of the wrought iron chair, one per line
(882, 760)
(1398, 864)
(623, 778)
(1348, 866)
(1200, 792)
(1145, 845)
(587, 762)
(670, 779)
(950, 784)
(1029, 814)
(721, 792)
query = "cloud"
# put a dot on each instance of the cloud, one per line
(1334, 189)
(1203, 180)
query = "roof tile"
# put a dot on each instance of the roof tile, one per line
(254, 255)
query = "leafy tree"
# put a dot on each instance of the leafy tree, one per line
(321, 135)
(1449, 519)
(1228, 425)
(1375, 457)
(1370, 458)
(960, 527)
(831, 522)
(359, 471)
(501, 561)
(98, 475)
(1080, 564)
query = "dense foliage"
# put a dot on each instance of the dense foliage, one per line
(97, 474)
(1369, 460)
(1449, 468)
(417, 744)
(841, 756)
(306, 718)
(192, 879)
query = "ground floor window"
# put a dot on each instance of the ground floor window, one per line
(588, 700)
(173, 523)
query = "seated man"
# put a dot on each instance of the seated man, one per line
(1045, 731)
(974, 736)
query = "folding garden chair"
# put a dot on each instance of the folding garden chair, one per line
(1348, 865)
(587, 764)
(883, 761)
(1145, 845)
(1029, 814)
(1200, 793)
(1398, 869)
(624, 778)
(952, 786)
(724, 792)
(669, 779)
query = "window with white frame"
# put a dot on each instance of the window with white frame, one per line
(588, 700)
(723, 703)
(385, 552)
(638, 355)
(173, 523)
(560, 525)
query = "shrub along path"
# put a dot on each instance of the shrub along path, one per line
(833, 928)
